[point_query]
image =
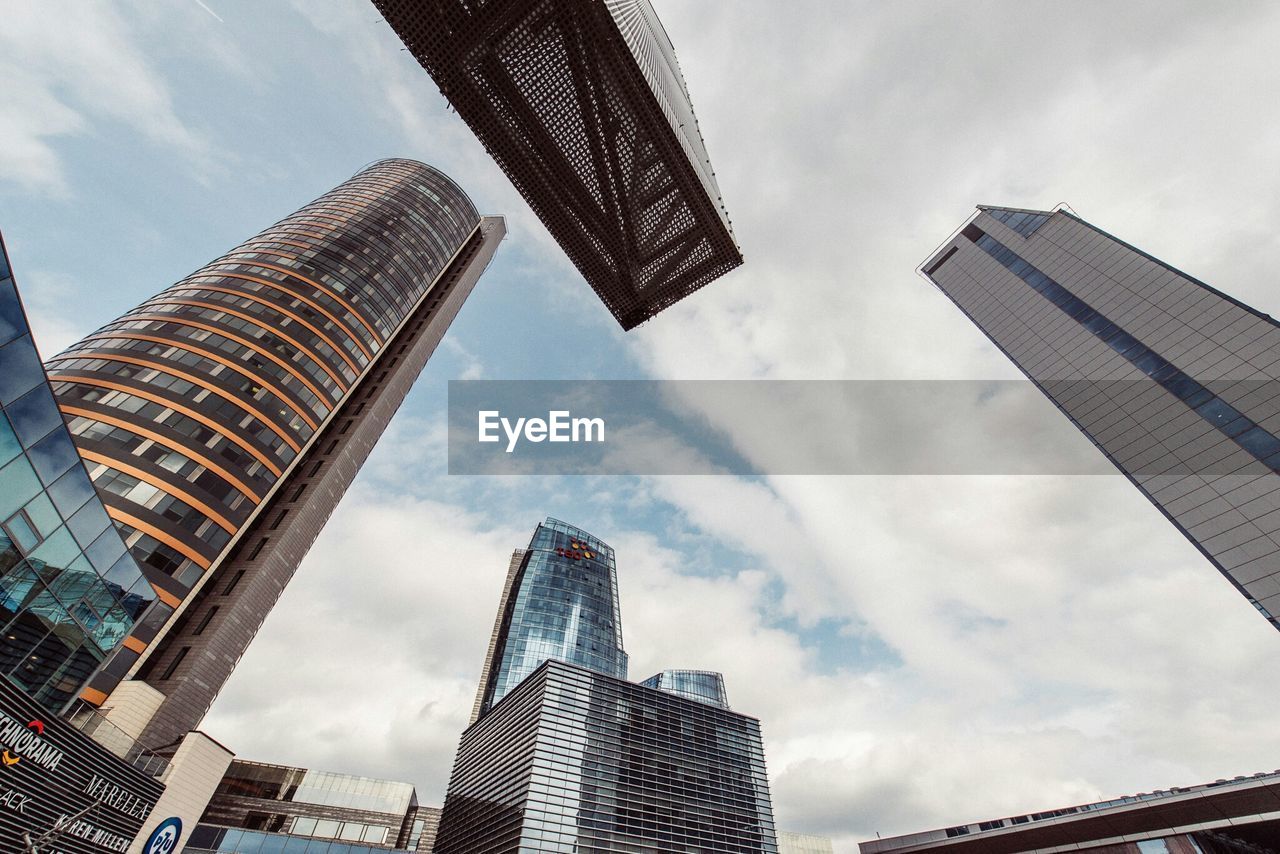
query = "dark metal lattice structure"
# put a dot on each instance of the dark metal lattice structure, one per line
(582, 104)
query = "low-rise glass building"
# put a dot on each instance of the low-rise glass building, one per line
(260, 807)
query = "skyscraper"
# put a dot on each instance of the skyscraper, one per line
(576, 760)
(560, 601)
(583, 105)
(1171, 379)
(223, 419)
(69, 594)
(566, 755)
(69, 591)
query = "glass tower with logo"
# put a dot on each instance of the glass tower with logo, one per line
(1173, 380)
(566, 755)
(560, 602)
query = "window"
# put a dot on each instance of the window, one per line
(258, 548)
(20, 530)
(326, 828)
(204, 623)
(304, 826)
(173, 665)
(235, 579)
(944, 259)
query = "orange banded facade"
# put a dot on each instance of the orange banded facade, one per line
(194, 410)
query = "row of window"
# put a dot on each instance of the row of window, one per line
(377, 296)
(348, 831)
(163, 504)
(127, 443)
(230, 447)
(286, 259)
(157, 555)
(276, 299)
(275, 318)
(222, 407)
(290, 412)
(1226, 418)
(269, 260)
(235, 840)
(259, 363)
(319, 372)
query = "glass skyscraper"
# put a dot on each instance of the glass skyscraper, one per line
(223, 419)
(1174, 381)
(583, 104)
(566, 755)
(574, 760)
(70, 593)
(560, 602)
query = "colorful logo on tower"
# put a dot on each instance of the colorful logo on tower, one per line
(576, 551)
(164, 839)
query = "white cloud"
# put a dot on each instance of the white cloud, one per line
(394, 606)
(62, 80)
(1033, 642)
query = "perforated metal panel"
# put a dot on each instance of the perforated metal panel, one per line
(583, 106)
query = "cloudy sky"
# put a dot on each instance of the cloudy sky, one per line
(921, 651)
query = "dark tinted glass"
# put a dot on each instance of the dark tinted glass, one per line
(71, 491)
(12, 323)
(20, 369)
(88, 522)
(53, 455)
(33, 415)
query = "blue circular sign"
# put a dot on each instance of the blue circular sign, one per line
(164, 839)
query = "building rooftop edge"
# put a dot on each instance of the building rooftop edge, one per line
(908, 841)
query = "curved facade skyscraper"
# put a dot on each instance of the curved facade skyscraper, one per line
(223, 419)
(560, 603)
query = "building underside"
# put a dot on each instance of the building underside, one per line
(582, 104)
